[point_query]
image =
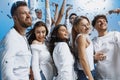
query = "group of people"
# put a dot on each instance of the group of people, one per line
(62, 52)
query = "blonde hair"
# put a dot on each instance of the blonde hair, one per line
(75, 28)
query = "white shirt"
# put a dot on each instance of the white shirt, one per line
(41, 61)
(64, 61)
(69, 28)
(69, 25)
(89, 53)
(15, 57)
(110, 45)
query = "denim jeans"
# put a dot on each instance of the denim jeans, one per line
(42, 75)
(82, 76)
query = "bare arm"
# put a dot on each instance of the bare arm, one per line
(67, 11)
(83, 57)
(114, 11)
(56, 12)
(60, 15)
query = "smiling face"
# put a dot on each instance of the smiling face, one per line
(101, 24)
(84, 26)
(40, 33)
(62, 33)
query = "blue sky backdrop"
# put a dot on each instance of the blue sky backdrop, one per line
(89, 8)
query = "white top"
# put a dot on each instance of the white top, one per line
(89, 53)
(108, 69)
(64, 61)
(15, 57)
(68, 25)
(69, 28)
(41, 61)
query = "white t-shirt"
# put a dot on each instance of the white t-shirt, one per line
(110, 45)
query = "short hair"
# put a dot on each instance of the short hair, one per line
(38, 10)
(72, 15)
(16, 5)
(97, 17)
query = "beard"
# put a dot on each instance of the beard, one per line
(25, 24)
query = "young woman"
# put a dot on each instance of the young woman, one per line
(83, 47)
(42, 64)
(62, 56)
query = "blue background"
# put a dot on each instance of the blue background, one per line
(88, 8)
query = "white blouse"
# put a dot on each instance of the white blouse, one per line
(41, 61)
(64, 61)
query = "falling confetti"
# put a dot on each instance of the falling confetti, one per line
(69, 5)
(8, 4)
(9, 16)
(1, 11)
(42, 1)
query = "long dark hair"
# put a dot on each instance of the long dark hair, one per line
(31, 34)
(54, 37)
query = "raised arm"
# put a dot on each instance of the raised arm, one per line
(114, 11)
(67, 11)
(48, 15)
(67, 22)
(61, 12)
(56, 12)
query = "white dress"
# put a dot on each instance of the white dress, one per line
(108, 69)
(41, 60)
(15, 57)
(64, 62)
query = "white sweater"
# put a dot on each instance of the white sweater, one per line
(41, 61)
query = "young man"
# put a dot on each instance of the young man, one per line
(15, 53)
(109, 44)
